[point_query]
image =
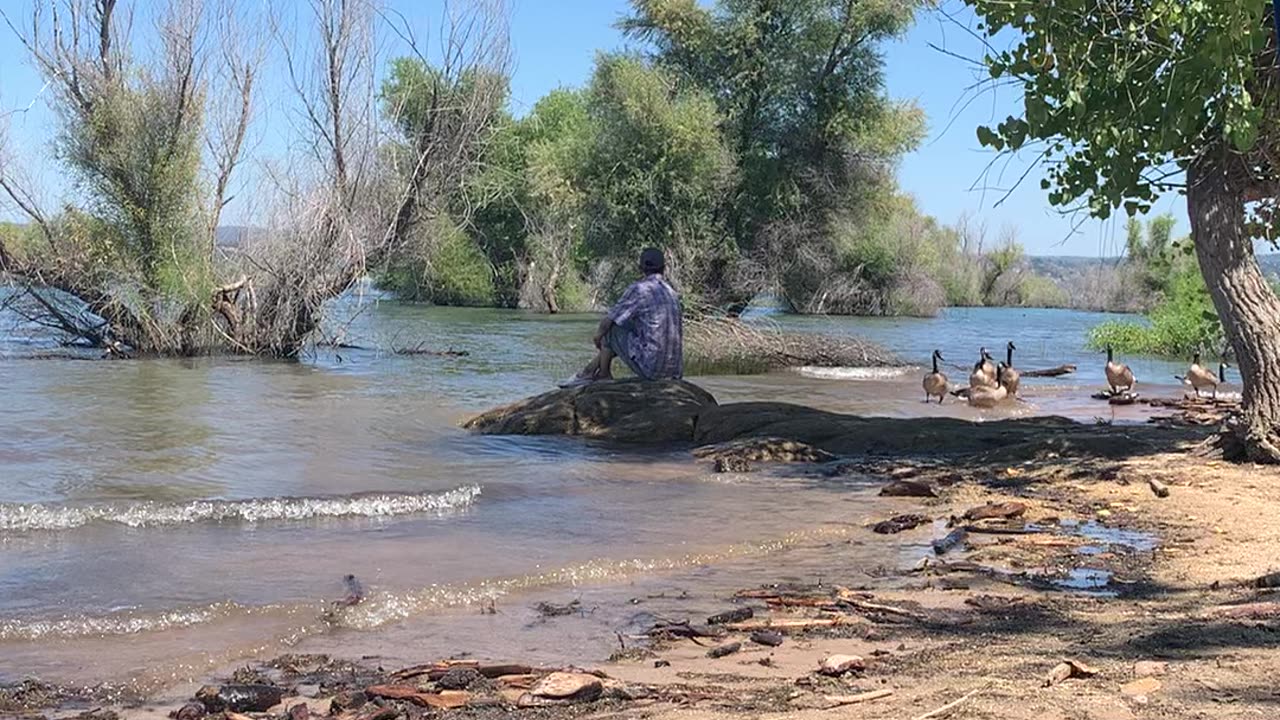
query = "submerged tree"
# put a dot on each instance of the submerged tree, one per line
(138, 252)
(1129, 97)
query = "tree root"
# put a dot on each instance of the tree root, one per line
(1240, 441)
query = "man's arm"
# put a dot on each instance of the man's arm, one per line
(606, 324)
(619, 314)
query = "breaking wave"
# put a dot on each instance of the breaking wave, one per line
(27, 518)
(853, 373)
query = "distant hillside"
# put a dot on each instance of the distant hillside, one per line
(1064, 269)
(232, 236)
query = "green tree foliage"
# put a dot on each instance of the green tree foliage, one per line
(432, 110)
(1124, 97)
(656, 172)
(801, 97)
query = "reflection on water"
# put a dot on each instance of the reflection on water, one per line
(151, 507)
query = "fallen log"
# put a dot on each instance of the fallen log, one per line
(1160, 489)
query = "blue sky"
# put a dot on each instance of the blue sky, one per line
(555, 43)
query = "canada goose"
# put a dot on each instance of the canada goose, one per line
(987, 396)
(935, 383)
(984, 371)
(1119, 376)
(1200, 377)
(1009, 377)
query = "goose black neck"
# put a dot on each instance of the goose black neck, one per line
(1009, 355)
(935, 363)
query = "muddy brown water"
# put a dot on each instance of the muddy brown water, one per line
(163, 519)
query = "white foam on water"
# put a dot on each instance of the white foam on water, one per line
(27, 518)
(853, 373)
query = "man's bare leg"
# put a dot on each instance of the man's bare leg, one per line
(604, 363)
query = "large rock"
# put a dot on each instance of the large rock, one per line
(629, 411)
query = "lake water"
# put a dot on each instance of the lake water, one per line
(162, 519)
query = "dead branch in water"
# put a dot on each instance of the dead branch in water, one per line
(1051, 372)
(717, 343)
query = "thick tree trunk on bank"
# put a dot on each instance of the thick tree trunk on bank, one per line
(1248, 308)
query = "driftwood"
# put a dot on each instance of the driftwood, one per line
(1051, 372)
(835, 701)
(945, 710)
(785, 625)
(1160, 489)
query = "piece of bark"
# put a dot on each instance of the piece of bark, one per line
(835, 701)
(766, 638)
(723, 650)
(1160, 489)
(521, 682)
(1004, 511)
(1068, 669)
(948, 543)
(443, 700)
(562, 688)
(731, 616)
(899, 523)
(908, 488)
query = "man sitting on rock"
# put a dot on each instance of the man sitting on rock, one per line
(644, 329)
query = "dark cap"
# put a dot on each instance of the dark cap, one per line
(652, 261)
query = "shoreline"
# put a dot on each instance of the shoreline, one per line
(992, 620)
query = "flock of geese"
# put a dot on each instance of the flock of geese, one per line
(991, 383)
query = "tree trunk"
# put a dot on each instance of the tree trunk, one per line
(1246, 305)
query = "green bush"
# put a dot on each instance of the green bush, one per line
(446, 267)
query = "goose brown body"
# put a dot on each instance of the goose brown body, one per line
(984, 372)
(1009, 377)
(1119, 376)
(989, 397)
(935, 383)
(1201, 378)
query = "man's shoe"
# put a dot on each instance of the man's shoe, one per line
(577, 381)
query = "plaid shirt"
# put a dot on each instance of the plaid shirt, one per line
(650, 313)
